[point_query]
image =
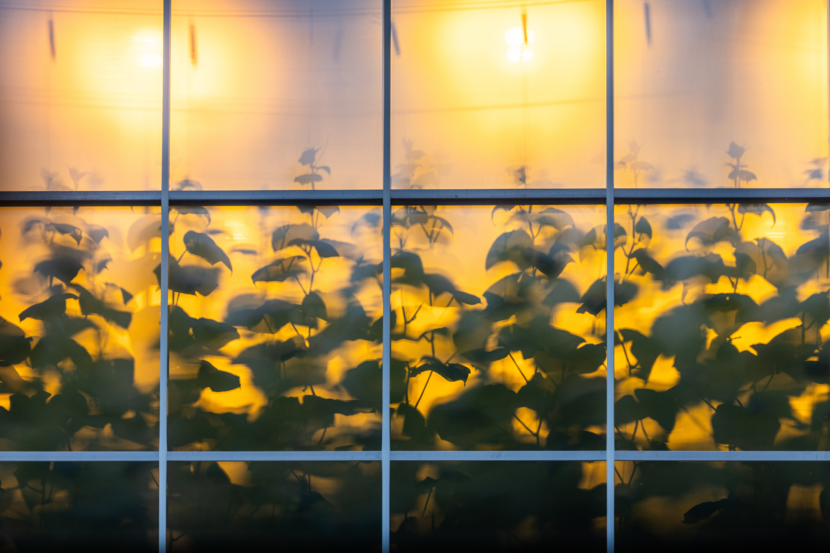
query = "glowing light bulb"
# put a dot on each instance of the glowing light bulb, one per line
(519, 47)
(147, 47)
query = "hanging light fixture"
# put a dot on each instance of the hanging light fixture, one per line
(520, 42)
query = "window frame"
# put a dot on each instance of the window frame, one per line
(388, 197)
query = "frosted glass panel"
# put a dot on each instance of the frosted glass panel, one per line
(702, 85)
(276, 94)
(498, 94)
(80, 95)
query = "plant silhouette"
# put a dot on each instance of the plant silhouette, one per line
(71, 506)
(446, 338)
(763, 505)
(72, 372)
(496, 506)
(739, 337)
(739, 172)
(310, 506)
(269, 351)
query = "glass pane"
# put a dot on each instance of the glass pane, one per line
(79, 506)
(687, 507)
(282, 94)
(498, 506)
(275, 332)
(305, 506)
(498, 327)
(79, 323)
(721, 94)
(722, 327)
(498, 94)
(80, 95)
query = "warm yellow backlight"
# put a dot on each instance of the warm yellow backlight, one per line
(147, 47)
(519, 47)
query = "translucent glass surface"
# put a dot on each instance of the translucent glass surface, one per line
(282, 94)
(498, 94)
(498, 329)
(64, 506)
(756, 506)
(731, 93)
(275, 332)
(80, 95)
(263, 506)
(79, 320)
(497, 506)
(722, 327)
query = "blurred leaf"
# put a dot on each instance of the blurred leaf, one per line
(92, 305)
(643, 227)
(218, 381)
(144, 230)
(63, 268)
(51, 350)
(704, 510)
(308, 156)
(15, 347)
(280, 271)
(756, 209)
(53, 307)
(711, 231)
(594, 299)
(190, 279)
(308, 178)
(281, 237)
(203, 246)
(193, 210)
(451, 372)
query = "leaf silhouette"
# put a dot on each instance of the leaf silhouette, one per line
(451, 372)
(193, 210)
(202, 245)
(53, 307)
(91, 305)
(284, 235)
(280, 271)
(218, 381)
(15, 347)
(63, 268)
(189, 279)
(756, 209)
(711, 231)
(704, 510)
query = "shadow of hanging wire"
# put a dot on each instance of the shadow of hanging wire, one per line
(52, 39)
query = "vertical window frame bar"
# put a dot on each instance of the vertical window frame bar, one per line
(164, 274)
(386, 411)
(609, 277)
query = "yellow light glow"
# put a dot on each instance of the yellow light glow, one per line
(519, 48)
(147, 47)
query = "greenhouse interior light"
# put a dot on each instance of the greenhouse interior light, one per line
(520, 42)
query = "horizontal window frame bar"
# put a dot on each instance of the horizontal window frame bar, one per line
(438, 456)
(783, 456)
(719, 195)
(78, 456)
(556, 196)
(418, 456)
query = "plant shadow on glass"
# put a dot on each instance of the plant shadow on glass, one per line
(304, 506)
(498, 506)
(481, 298)
(722, 340)
(79, 316)
(275, 336)
(760, 506)
(78, 506)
